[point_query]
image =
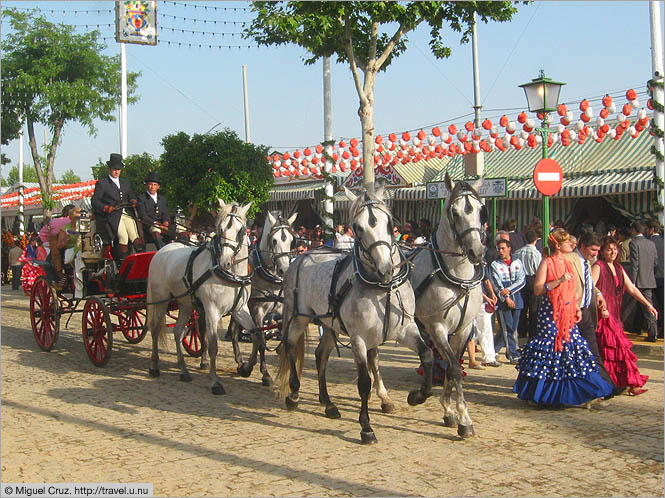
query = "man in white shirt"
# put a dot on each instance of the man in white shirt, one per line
(345, 242)
(530, 258)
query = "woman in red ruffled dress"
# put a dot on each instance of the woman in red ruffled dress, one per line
(615, 348)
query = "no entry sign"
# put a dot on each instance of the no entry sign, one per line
(548, 176)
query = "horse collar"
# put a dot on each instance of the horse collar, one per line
(442, 269)
(261, 269)
(359, 270)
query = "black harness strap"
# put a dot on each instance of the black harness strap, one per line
(335, 298)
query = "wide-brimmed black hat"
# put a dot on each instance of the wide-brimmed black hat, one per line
(153, 177)
(115, 161)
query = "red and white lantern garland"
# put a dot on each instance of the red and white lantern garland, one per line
(61, 193)
(467, 139)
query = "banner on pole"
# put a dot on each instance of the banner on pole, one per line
(136, 22)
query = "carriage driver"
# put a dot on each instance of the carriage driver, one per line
(112, 194)
(152, 209)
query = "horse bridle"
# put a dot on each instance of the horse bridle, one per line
(240, 237)
(372, 223)
(466, 192)
(264, 269)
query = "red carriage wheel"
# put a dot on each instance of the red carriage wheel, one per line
(132, 324)
(97, 331)
(191, 341)
(44, 314)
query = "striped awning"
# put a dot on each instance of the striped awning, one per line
(295, 192)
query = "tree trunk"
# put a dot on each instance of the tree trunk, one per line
(45, 181)
(366, 113)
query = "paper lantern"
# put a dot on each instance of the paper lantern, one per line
(354, 164)
(421, 135)
(631, 94)
(353, 142)
(392, 137)
(296, 154)
(379, 148)
(431, 140)
(452, 129)
(406, 136)
(511, 127)
(589, 112)
(604, 113)
(561, 109)
(461, 136)
(468, 126)
(319, 149)
(378, 139)
(503, 121)
(584, 105)
(607, 101)
(436, 131)
(627, 109)
(307, 152)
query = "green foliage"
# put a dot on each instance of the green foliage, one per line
(372, 28)
(198, 170)
(137, 167)
(29, 176)
(69, 177)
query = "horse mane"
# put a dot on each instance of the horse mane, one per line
(223, 213)
(363, 196)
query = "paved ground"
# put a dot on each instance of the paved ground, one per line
(64, 420)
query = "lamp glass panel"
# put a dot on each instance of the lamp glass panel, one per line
(551, 99)
(535, 94)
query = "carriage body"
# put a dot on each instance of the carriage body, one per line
(114, 299)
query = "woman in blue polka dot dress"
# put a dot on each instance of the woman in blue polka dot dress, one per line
(556, 367)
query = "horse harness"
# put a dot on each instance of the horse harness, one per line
(214, 247)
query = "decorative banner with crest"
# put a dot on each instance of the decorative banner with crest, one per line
(136, 22)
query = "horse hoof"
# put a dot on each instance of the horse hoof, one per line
(154, 372)
(204, 366)
(465, 431)
(244, 370)
(367, 437)
(332, 412)
(387, 408)
(416, 398)
(266, 381)
(218, 389)
(450, 420)
(185, 377)
(290, 404)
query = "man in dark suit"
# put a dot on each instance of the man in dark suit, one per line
(589, 298)
(110, 204)
(643, 262)
(656, 237)
(152, 210)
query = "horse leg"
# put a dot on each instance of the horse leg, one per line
(179, 332)
(387, 405)
(322, 353)
(364, 389)
(158, 312)
(294, 351)
(454, 371)
(465, 425)
(449, 416)
(237, 354)
(212, 319)
(244, 319)
(204, 365)
(414, 341)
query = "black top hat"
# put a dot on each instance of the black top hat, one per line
(153, 177)
(115, 161)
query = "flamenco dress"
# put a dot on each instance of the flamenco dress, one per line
(555, 372)
(615, 348)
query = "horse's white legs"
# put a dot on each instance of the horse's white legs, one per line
(179, 332)
(212, 319)
(243, 318)
(359, 349)
(465, 425)
(322, 353)
(158, 313)
(412, 339)
(387, 405)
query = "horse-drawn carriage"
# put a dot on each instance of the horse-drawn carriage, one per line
(114, 299)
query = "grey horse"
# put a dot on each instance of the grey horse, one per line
(365, 295)
(214, 277)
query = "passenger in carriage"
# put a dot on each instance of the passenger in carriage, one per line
(68, 243)
(109, 202)
(152, 210)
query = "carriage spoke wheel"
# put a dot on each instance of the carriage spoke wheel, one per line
(191, 341)
(132, 323)
(44, 314)
(97, 331)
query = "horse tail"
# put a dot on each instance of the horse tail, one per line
(155, 329)
(282, 383)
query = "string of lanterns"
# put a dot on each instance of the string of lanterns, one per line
(33, 195)
(190, 44)
(206, 7)
(631, 118)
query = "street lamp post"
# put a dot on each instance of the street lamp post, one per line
(542, 95)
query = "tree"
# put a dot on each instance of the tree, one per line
(69, 177)
(137, 167)
(29, 176)
(52, 75)
(198, 170)
(367, 36)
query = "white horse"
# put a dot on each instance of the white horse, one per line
(269, 258)
(213, 277)
(365, 295)
(446, 279)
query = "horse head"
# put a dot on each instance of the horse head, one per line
(373, 228)
(466, 215)
(232, 231)
(276, 241)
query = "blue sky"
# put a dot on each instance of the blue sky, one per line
(595, 47)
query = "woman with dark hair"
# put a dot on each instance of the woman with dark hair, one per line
(615, 348)
(556, 368)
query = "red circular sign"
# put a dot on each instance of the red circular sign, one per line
(548, 176)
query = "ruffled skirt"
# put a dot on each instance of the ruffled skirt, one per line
(618, 358)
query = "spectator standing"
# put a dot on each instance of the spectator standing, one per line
(589, 299)
(15, 252)
(491, 253)
(615, 348)
(482, 323)
(643, 263)
(301, 235)
(556, 367)
(396, 233)
(508, 279)
(516, 238)
(346, 241)
(656, 237)
(530, 258)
